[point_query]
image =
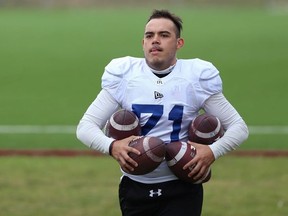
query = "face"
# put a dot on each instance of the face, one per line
(160, 43)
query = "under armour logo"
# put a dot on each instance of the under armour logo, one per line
(158, 193)
(158, 95)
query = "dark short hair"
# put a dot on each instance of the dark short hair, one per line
(167, 15)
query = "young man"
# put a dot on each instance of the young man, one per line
(166, 93)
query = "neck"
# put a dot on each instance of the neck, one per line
(163, 72)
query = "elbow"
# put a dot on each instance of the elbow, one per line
(80, 132)
(245, 131)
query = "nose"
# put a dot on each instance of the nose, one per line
(156, 40)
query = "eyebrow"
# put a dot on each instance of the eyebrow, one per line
(161, 32)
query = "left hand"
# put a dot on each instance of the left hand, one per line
(201, 162)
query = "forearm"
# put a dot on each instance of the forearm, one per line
(236, 129)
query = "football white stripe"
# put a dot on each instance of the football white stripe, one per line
(210, 134)
(124, 127)
(149, 153)
(179, 155)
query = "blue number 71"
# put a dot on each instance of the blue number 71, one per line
(156, 111)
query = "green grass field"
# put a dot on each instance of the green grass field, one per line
(85, 186)
(51, 62)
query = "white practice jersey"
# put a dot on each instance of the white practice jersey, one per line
(165, 106)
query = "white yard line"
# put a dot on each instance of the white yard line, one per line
(37, 129)
(71, 129)
(268, 129)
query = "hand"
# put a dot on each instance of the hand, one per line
(120, 151)
(201, 162)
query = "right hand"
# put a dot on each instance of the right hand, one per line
(120, 151)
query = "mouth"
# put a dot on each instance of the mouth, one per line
(156, 49)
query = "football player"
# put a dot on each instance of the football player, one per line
(165, 93)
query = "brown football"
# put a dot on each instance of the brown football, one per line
(205, 129)
(122, 124)
(152, 154)
(177, 155)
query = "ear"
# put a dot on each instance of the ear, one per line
(180, 43)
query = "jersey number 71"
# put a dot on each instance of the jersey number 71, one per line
(156, 112)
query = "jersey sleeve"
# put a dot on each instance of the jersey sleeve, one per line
(89, 130)
(113, 79)
(236, 130)
(208, 81)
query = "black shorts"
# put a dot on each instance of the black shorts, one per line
(173, 198)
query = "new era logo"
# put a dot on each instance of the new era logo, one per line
(158, 95)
